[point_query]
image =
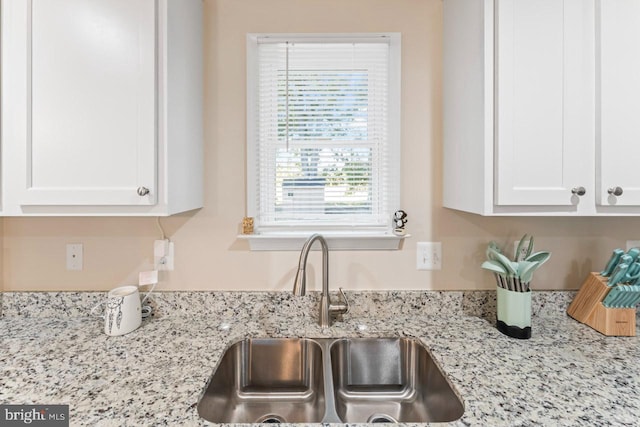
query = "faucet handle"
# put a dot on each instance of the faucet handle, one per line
(341, 307)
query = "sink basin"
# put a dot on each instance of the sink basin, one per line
(266, 380)
(303, 380)
(390, 380)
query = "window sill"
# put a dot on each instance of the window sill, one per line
(336, 241)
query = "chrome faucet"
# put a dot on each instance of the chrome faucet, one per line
(300, 283)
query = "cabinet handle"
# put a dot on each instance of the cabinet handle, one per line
(615, 191)
(578, 191)
(143, 191)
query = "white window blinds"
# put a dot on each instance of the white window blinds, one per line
(321, 141)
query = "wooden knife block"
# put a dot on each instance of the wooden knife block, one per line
(587, 308)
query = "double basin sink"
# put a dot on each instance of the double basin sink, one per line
(345, 380)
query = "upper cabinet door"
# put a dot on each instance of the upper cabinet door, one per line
(618, 91)
(544, 101)
(90, 102)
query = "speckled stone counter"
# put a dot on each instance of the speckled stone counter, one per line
(566, 374)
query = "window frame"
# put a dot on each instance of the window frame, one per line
(338, 237)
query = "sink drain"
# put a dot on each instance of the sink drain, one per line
(270, 419)
(381, 418)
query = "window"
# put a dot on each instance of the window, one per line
(323, 132)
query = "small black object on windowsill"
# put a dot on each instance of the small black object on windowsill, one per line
(399, 221)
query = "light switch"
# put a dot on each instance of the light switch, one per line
(429, 256)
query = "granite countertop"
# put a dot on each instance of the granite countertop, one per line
(566, 374)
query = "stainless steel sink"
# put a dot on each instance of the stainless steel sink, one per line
(390, 380)
(277, 380)
(266, 380)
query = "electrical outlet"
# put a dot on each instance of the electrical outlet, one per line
(163, 255)
(633, 244)
(74, 256)
(523, 249)
(429, 255)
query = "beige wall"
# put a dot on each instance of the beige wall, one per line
(208, 255)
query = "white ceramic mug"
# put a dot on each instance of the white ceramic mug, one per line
(123, 312)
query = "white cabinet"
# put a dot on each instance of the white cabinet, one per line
(618, 97)
(102, 107)
(524, 126)
(543, 98)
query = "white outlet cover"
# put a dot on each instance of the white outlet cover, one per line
(633, 244)
(74, 256)
(161, 248)
(165, 263)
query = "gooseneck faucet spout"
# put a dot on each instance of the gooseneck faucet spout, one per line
(300, 283)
